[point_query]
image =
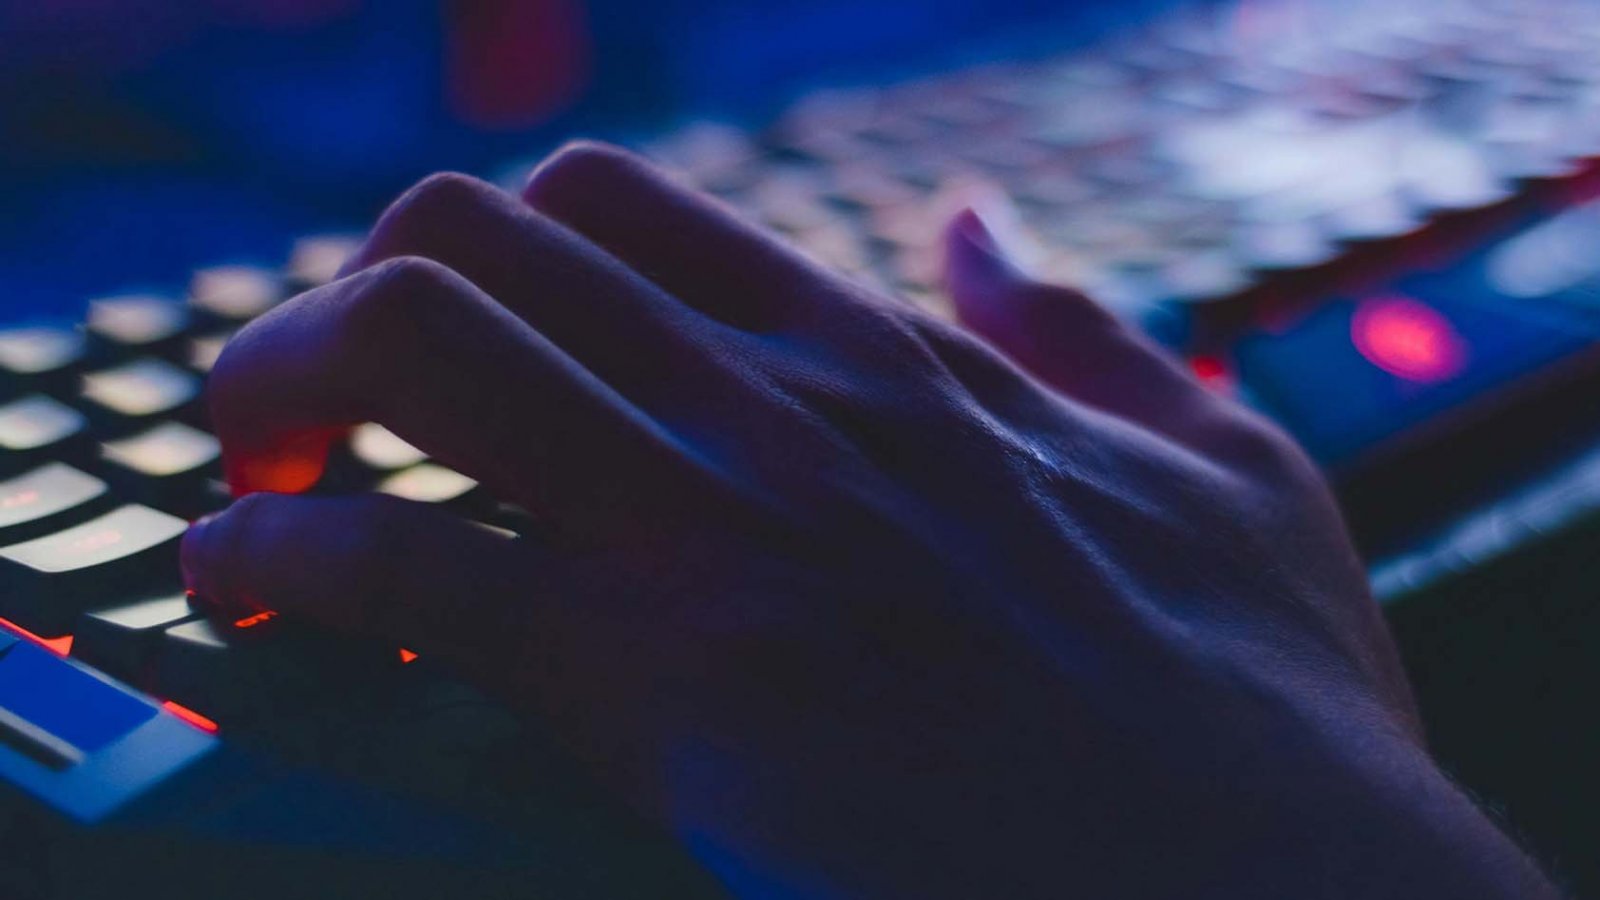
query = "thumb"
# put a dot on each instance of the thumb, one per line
(989, 277)
(1059, 335)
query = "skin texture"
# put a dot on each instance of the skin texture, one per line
(854, 601)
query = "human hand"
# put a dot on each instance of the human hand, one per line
(832, 589)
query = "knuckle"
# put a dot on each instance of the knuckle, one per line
(397, 295)
(440, 193)
(404, 278)
(1263, 450)
(581, 163)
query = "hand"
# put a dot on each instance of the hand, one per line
(851, 602)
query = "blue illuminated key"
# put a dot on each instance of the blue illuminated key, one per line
(77, 742)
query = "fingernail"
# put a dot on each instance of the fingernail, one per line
(291, 465)
(991, 227)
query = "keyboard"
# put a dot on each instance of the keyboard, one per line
(1252, 185)
(1363, 220)
(134, 728)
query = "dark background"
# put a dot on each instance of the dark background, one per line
(139, 139)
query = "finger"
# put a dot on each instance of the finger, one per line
(369, 564)
(599, 311)
(1063, 338)
(692, 246)
(417, 348)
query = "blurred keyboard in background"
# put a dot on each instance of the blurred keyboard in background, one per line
(1254, 185)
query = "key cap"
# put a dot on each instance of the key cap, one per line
(134, 393)
(204, 350)
(39, 358)
(429, 483)
(36, 429)
(370, 454)
(1375, 218)
(168, 466)
(1282, 245)
(379, 448)
(38, 501)
(122, 640)
(260, 668)
(138, 323)
(57, 699)
(46, 582)
(234, 293)
(315, 259)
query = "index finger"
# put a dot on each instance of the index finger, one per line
(417, 348)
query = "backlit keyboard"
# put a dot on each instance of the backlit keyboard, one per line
(107, 457)
(1256, 185)
(116, 693)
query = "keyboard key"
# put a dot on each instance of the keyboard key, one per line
(134, 392)
(316, 259)
(234, 293)
(1204, 276)
(1384, 216)
(35, 502)
(1282, 245)
(122, 640)
(204, 351)
(37, 744)
(39, 358)
(169, 466)
(381, 449)
(79, 711)
(138, 323)
(36, 429)
(429, 483)
(46, 582)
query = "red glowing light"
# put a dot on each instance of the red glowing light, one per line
(257, 619)
(190, 716)
(1408, 338)
(1212, 371)
(61, 646)
(407, 656)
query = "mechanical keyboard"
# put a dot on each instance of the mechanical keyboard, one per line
(133, 727)
(1349, 212)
